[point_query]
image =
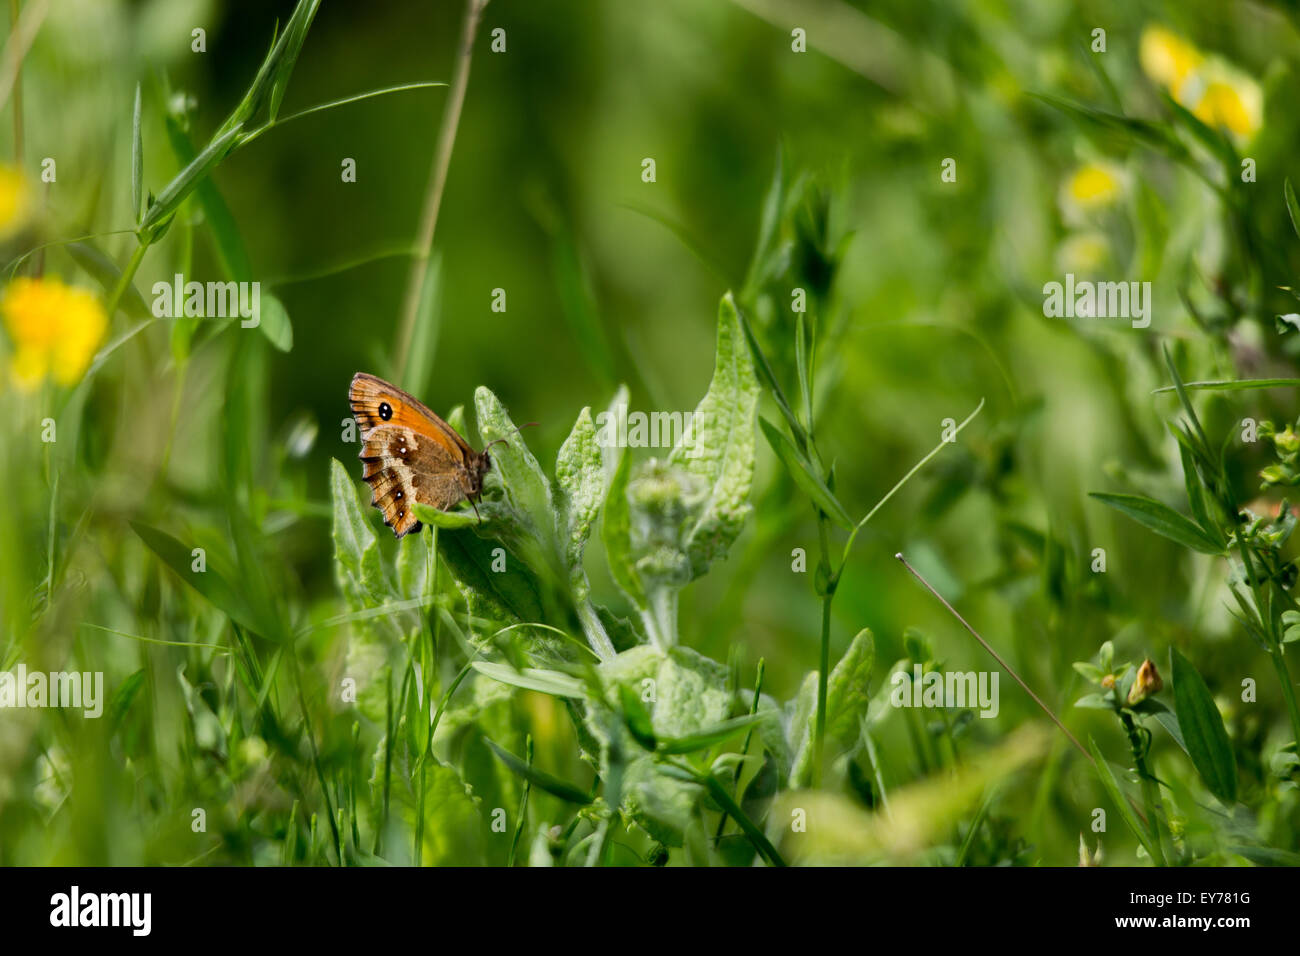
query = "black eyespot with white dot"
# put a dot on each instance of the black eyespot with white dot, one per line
(385, 411)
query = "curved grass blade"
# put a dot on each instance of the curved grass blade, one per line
(1228, 385)
(208, 583)
(709, 737)
(540, 779)
(1292, 207)
(555, 683)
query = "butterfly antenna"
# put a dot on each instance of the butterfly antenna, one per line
(503, 441)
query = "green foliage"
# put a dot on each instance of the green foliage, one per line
(1203, 731)
(650, 656)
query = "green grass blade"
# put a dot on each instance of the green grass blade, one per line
(137, 160)
(208, 583)
(105, 272)
(1292, 207)
(1161, 519)
(174, 193)
(1203, 731)
(1229, 385)
(555, 683)
(804, 475)
(538, 778)
(709, 737)
(1111, 786)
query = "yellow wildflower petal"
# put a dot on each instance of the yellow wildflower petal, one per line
(15, 199)
(1091, 186)
(55, 328)
(27, 367)
(83, 326)
(1167, 58)
(1230, 106)
(31, 311)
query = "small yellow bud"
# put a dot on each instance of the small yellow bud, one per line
(1146, 683)
(1108, 682)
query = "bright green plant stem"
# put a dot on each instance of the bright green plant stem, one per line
(438, 180)
(1150, 794)
(661, 617)
(719, 793)
(124, 280)
(749, 737)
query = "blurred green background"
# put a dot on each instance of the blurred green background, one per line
(936, 304)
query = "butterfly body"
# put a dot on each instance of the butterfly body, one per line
(411, 455)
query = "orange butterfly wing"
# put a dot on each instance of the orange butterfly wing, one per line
(410, 454)
(369, 395)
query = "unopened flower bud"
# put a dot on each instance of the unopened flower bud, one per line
(1146, 683)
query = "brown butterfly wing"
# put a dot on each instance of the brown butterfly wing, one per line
(403, 466)
(409, 454)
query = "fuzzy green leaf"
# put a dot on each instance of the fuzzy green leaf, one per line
(847, 698)
(527, 491)
(444, 519)
(616, 532)
(356, 549)
(580, 475)
(718, 447)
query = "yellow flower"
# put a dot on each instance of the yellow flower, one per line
(1167, 58)
(15, 200)
(1217, 93)
(1227, 99)
(55, 329)
(1091, 187)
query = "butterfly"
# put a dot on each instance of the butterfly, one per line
(411, 455)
